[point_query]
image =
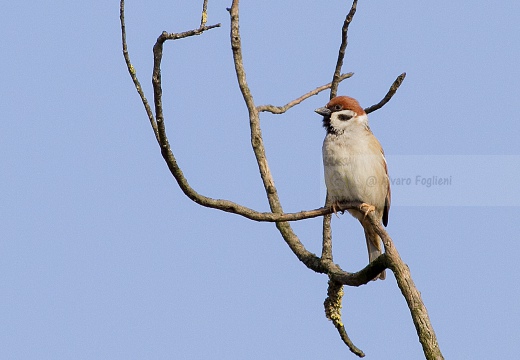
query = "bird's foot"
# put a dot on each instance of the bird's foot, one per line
(335, 205)
(366, 208)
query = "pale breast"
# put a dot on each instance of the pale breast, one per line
(354, 170)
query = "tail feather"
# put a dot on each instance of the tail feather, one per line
(374, 250)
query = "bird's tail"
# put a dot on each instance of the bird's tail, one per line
(374, 249)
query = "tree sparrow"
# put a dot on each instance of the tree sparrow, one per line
(355, 166)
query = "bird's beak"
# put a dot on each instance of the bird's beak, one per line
(323, 111)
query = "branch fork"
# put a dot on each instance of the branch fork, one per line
(321, 264)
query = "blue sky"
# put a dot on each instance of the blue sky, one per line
(103, 257)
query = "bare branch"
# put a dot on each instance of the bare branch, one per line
(342, 48)
(326, 253)
(254, 120)
(338, 277)
(362, 277)
(309, 259)
(132, 71)
(224, 205)
(157, 87)
(175, 36)
(333, 306)
(281, 109)
(131, 68)
(326, 250)
(389, 94)
(412, 296)
(204, 17)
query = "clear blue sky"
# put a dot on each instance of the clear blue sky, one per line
(103, 257)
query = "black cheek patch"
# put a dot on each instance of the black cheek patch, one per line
(344, 117)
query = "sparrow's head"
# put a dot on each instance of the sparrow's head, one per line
(341, 113)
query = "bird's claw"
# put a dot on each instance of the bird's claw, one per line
(335, 205)
(366, 208)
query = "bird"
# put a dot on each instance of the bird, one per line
(355, 167)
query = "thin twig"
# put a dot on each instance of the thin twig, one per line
(389, 94)
(333, 304)
(204, 17)
(342, 48)
(326, 249)
(346, 339)
(327, 235)
(254, 119)
(281, 109)
(157, 87)
(132, 71)
(326, 254)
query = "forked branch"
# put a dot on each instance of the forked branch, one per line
(324, 264)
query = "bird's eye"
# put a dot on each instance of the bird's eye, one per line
(337, 107)
(344, 117)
